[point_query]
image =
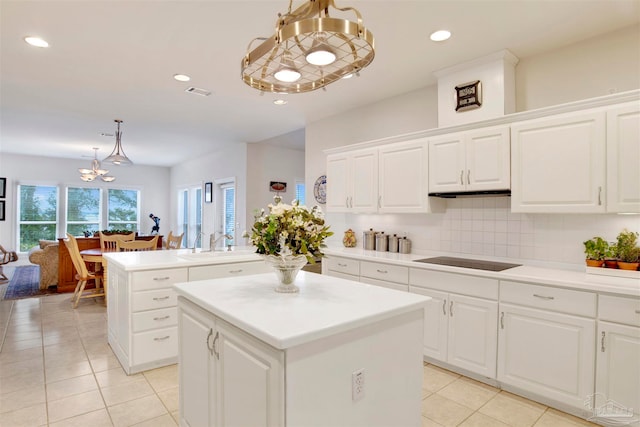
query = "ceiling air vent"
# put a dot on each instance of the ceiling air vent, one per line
(198, 91)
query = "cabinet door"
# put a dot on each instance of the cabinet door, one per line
(473, 334)
(623, 159)
(618, 366)
(488, 159)
(364, 181)
(338, 191)
(447, 163)
(403, 176)
(435, 323)
(196, 368)
(558, 164)
(547, 353)
(250, 380)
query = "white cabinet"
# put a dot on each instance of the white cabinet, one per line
(459, 329)
(345, 268)
(386, 275)
(477, 160)
(352, 181)
(226, 377)
(545, 347)
(558, 163)
(623, 158)
(204, 272)
(618, 354)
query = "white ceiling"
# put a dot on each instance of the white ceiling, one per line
(115, 59)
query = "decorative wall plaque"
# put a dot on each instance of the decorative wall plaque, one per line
(469, 96)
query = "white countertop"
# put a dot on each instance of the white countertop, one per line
(153, 260)
(539, 274)
(324, 306)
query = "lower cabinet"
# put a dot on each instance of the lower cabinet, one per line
(242, 383)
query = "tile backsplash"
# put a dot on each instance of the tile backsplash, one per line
(486, 226)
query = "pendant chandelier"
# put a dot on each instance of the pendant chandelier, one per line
(88, 175)
(308, 50)
(117, 156)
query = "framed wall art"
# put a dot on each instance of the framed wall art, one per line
(3, 188)
(208, 192)
(469, 96)
(2, 211)
(278, 187)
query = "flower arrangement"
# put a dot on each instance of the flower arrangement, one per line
(289, 230)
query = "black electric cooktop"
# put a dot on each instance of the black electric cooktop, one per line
(468, 263)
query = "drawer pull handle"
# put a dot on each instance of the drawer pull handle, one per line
(502, 320)
(166, 337)
(235, 271)
(451, 308)
(208, 338)
(444, 307)
(461, 175)
(469, 176)
(602, 342)
(382, 271)
(162, 318)
(214, 345)
(543, 297)
(342, 265)
(161, 278)
(161, 298)
(599, 196)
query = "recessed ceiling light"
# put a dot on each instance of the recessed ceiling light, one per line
(36, 41)
(347, 76)
(280, 102)
(181, 77)
(440, 35)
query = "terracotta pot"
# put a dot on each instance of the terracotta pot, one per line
(628, 265)
(611, 263)
(594, 262)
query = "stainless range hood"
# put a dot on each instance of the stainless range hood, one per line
(488, 193)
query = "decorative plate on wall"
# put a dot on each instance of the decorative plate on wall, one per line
(320, 189)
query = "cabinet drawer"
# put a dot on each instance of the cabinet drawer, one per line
(385, 272)
(481, 287)
(149, 300)
(343, 265)
(385, 284)
(156, 279)
(619, 309)
(155, 319)
(218, 271)
(155, 345)
(549, 298)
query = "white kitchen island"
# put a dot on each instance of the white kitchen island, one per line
(338, 353)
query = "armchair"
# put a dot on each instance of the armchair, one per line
(46, 256)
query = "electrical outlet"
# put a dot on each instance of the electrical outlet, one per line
(357, 384)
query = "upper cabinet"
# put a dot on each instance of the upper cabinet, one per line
(477, 160)
(391, 178)
(623, 158)
(558, 163)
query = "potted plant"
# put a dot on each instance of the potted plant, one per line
(595, 249)
(628, 250)
(611, 256)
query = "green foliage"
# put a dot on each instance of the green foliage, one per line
(627, 246)
(596, 248)
(290, 229)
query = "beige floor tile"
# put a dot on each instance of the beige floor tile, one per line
(63, 349)
(14, 336)
(20, 367)
(480, 420)
(20, 382)
(113, 377)
(25, 327)
(65, 388)
(64, 371)
(66, 338)
(7, 356)
(426, 422)
(53, 360)
(163, 421)
(469, 393)
(97, 348)
(125, 392)
(104, 363)
(75, 405)
(22, 345)
(170, 398)
(444, 411)
(22, 398)
(176, 417)
(27, 417)
(99, 418)
(163, 378)
(137, 411)
(555, 418)
(435, 378)
(513, 410)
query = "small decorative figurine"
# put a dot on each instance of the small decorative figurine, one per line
(349, 240)
(156, 228)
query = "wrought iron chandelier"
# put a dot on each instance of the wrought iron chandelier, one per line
(117, 156)
(96, 170)
(308, 50)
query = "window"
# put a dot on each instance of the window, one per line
(37, 215)
(190, 215)
(229, 210)
(83, 210)
(123, 211)
(300, 189)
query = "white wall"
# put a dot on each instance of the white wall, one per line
(486, 226)
(151, 180)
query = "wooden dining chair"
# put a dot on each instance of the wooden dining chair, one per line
(108, 241)
(173, 242)
(137, 245)
(83, 274)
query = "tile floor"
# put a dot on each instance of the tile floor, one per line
(56, 369)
